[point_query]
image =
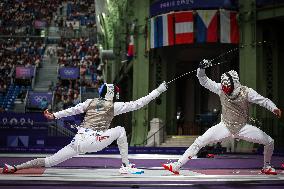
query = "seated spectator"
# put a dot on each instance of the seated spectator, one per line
(76, 99)
(22, 95)
(3, 88)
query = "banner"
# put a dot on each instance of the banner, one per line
(21, 120)
(23, 130)
(32, 132)
(69, 73)
(166, 6)
(35, 98)
(39, 24)
(74, 24)
(17, 141)
(108, 150)
(24, 72)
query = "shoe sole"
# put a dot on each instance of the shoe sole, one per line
(7, 172)
(269, 173)
(136, 173)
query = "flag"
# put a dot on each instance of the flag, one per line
(206, 22)
(154, 33)
(159, 25)
(130, 48)
(184, 27)
(168, 29)
(229, 27)
(162, 30)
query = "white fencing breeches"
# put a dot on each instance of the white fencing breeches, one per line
(220, 132)
(87, 140)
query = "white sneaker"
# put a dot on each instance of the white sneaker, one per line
(130, 169)
(268, 170)
(8, 169)
(172, 167)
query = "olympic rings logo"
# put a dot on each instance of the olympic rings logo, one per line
(39, 98)
(69, 72)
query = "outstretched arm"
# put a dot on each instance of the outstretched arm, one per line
(123, 107)
(208, 83)
(79, 108)
(256, 98)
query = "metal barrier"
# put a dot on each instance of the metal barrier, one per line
(67, 32)
(161, 129)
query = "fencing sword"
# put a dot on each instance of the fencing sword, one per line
(210, 64)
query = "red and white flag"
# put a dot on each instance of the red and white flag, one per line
(184, 27)
(130, 48)
(168, 29)
(229, 27)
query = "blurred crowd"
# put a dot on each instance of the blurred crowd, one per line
(67, 93)
(82, 53)
(15, 52)
(19, 16)
(25, 16)
(82, 11)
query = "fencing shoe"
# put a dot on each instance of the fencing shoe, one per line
(8, 169)
(172, 167)
(268, 170)
(130, 169)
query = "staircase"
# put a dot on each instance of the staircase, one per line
(53, 32)
(47, 73)
(19, 106)
(179, 141)
(64, 11)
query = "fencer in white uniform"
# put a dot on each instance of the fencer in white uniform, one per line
(235, 100)
(94, 134)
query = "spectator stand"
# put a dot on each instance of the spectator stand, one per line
(78, 62)
(80, 21)
(19, 59)
(26, 17)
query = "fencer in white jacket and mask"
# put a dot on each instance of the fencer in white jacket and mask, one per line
(94, 134)
(235, 100)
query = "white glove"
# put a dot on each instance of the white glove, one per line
(205, 64)
(162, 87)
